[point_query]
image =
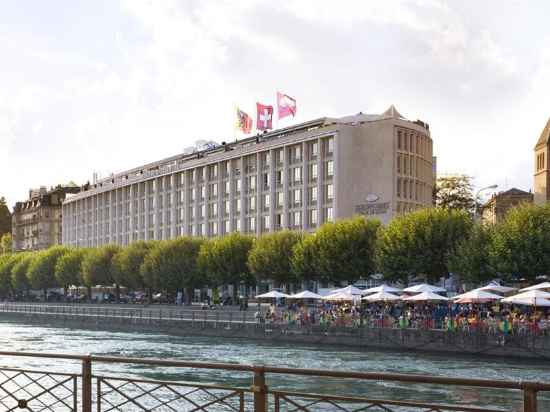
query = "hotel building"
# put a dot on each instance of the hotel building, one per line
(293, 178)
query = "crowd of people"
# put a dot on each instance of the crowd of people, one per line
(487, 318)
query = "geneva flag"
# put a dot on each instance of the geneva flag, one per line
(265, 117)
(244, 121)
(286, 105)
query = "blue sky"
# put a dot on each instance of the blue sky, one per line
(100, 86)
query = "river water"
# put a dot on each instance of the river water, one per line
(52, 339)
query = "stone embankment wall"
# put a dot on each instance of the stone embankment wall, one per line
(435, 341)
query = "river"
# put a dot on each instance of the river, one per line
(52, 339)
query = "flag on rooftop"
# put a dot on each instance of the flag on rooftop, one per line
(286, 105)
(264, 120)
(244, 122)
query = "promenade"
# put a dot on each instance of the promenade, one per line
(183, 321)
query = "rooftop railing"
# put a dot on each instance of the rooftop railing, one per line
(34, 390)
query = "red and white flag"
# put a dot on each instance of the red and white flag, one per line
(265, 117)
(286, 105)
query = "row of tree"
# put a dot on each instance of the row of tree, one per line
(429, 243)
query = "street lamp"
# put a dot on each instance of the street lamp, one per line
(476, 214)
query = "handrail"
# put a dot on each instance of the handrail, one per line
(382, 376)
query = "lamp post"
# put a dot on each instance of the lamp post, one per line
(476, 210)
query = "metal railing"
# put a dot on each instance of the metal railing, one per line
(29, 390)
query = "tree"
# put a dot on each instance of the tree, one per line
(5, 217)
(270, 258)
(521, 243)
(20, 272)
(68, 269)
(346, 249)
(98, 268)
(303, 259)
(171, 265)
(420, 243)
(6, 263)
(42, 270)
(472, 259)
(225, 260)
(455, 192)
(127, 264)
(5, 243)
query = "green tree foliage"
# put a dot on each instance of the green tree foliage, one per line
(225, 260)
(97, 266)
(346, 249)
(68, 269)
(420, 243)
(6, 264)
(472, 258)
(5, 217)
(42, 270)
(5, 243)
(172, 265)
(127, 264)
(455, 192)
(304, 257)
(521, 243)
(20, 272)
(270, 257)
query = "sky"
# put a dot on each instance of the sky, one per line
(100, 86)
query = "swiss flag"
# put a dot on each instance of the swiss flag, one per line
(265, 117)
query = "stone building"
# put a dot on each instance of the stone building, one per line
(295, 178)
(495, 209)
(542, 176)
(36, 222)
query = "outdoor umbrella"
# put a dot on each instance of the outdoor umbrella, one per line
(341, 296)
(272, 295)
(531, 297)
(424, 287)
(306, 294)
(476, 296)
(495, 287)
(381, 297)
(543, 285)
(350, 290)
(382, 288)
(425, 297)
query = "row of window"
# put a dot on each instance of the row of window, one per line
(414, 142)
(412, 189)
(411, 165)
(107, 232)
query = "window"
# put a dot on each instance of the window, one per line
(265, 180)
(313, 195)
(297, 174)
(252, 224)
(279, 156)
(226, 226)
(213, 228)
(297, 217)
(398, 163)
(265, 223)
(330, 192)
(264, 157)
(213, 190)
(227, 187)
(279, 199)
(238, 186)
(238, 225)
(202, 211)
(226, 207)
(279, 177)
(405, 187)
(313, 172)
(252, 182)
(266, 201)
(212, 210)
(297, 195)
(252, 203)
(313, 150)
(330, 168)
(329, 214)
(398, 187)
(313, 217)
(278, 221)
(203, 192)
(238, 206)
(330, 145)
(296, 153)
(399, 140)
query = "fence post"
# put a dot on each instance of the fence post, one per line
(87, 384)
(259, 389)
(529, 399)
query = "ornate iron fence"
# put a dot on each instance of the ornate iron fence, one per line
(30, 390)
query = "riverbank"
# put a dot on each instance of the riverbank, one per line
(240, 326)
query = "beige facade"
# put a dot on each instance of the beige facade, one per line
(297, 178)
(36, 222)
(541, 176)
(495, 209)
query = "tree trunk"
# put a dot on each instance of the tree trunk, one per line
(188, 296)
(149, 296)
(89, 290)
(117, 293)
(45, 294)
